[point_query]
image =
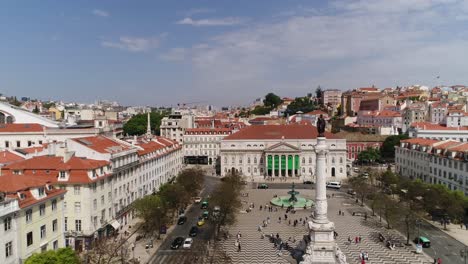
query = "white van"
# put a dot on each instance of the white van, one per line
(334, 185)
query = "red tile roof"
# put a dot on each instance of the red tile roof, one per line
(294, 131)
(77, 163)
(388, 113)
(429, 126)
(102, 144)
(37, 163)
(316, 112)
(20, 128)
(420, 141)
(447, 144)
(7, 157)
(198, 130)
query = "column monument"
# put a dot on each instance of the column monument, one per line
(322, 248)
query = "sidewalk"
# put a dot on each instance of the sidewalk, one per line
(460, 234)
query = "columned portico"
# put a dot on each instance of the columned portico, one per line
(282, 164)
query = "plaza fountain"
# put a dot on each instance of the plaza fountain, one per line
(293, 200)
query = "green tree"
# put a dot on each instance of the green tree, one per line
(369, 155)
(227, 197)
(387, 151)
(318, 92)
(191, 180)
(152, 210)
(303, 104)
(137, 124)
(60, 256)
(272, 100)
(174, 196)
(361, 186)
(261, 110)
(36, 110)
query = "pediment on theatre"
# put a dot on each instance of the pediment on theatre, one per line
(282, 147)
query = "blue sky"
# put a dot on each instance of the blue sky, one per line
(226, 52)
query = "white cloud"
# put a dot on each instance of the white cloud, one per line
(175, 54)
(351, 43)
(100, 13)
(228, 21)
(133, 44)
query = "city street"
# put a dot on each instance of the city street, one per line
(165, 254)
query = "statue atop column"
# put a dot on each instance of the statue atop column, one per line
(321, 123)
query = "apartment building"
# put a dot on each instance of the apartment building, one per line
(174, 125)
(34, 223)
(202, 145)
(434, 161)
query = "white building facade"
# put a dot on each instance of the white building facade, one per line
(275, 151)
(435, 162)
(202, 145)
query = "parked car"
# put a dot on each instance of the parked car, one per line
(197, 199)
(149, 244)
(178, 241)
(188, 242)
(193, 231)
(205, 214)
(334, 185)
(262, 186)
(308, 182)
(182, 220)
(204, 205)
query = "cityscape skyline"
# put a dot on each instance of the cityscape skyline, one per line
(167, 53)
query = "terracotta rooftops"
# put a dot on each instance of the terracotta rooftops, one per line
(420, 141)
(388, 113)
(207, 130)
(37, 163)
(102, 144)
(429, 126)
(19, 128)
(316, 112)
(13, 184)
(8, 157)
(264, 132)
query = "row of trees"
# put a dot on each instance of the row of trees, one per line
(403, 201)
(304, 104)
(160, 208)
(227, 197)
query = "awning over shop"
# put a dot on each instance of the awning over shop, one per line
(115, 224)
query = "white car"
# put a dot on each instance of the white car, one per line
(188, 243)
(197, 199)
(334, 185)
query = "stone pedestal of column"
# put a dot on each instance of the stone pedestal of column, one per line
(322, 248)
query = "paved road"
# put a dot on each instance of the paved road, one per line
(442, 245)
(164, 254)
(283, 185)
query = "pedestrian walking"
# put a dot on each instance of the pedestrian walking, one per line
(356, 240)
(360, 238)
(289, 222)
(349, 240)
(439, 261)
(339, 212)
(285, 217)
(365, 217)
(260, 207)
(238, 247)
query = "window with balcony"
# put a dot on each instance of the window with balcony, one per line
(78, 225)
(43, 232)
(7, 223)
(8, 249)
(54, 225)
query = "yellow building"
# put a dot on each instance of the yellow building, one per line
(39, 221)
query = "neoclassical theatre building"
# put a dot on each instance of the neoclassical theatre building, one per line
(262, 151)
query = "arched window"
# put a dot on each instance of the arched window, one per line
(240, 160)
(341, 160)
(303, 160)
(303, 170)
(233, 160)
(333, 160)
(341, 170)
(310, 160)
(225, 159)
(248, 169)
(261, 160)
(255, 160)
(248, 161)
(255, 170)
